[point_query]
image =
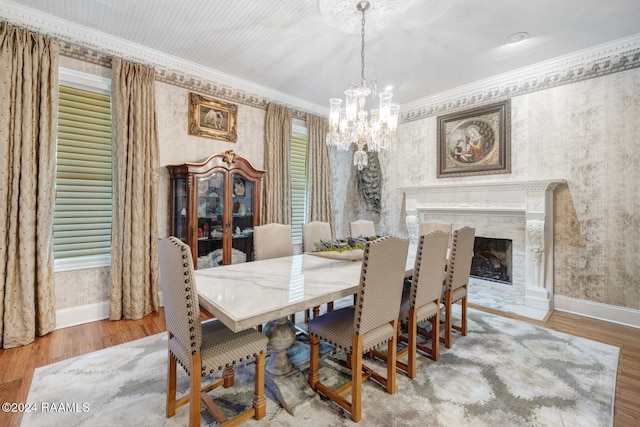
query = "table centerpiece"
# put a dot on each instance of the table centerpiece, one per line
(350, 249)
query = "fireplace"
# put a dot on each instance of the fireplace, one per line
(492, 260)
(521, 212)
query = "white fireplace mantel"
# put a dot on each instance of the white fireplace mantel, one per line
(530, 201)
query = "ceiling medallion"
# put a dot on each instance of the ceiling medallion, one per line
(345, 16)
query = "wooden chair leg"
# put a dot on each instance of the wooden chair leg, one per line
(392, 348)
(228, 376)
(435, 336)
(447, 319)
(356, 379)
(314, 361)
(171, 386)
(412, 344)
(464, 315)
(259, 400)
(195, 383)
(329, 306)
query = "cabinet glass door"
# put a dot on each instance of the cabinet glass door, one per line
(179, 215)
(243, 209)
(210, 219)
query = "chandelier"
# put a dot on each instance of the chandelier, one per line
(353, 124)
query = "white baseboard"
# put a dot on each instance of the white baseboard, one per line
(78, 315)
(610, 313)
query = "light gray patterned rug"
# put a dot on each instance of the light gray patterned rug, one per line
(503, 373)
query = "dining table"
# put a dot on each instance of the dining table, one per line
(267, 292)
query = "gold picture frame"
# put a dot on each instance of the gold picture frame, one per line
(475, 142)
(212, 118)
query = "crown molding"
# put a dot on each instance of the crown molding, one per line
(94, 46)
(608, 58)
(90, 45)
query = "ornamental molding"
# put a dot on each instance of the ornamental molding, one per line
(90, 45)
(608, 58)
(515, 186)
(498, 198)
(484, 205)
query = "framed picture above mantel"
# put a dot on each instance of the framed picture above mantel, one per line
(212, 118)
(475, 142)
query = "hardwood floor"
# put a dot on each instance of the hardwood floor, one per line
(18, 364)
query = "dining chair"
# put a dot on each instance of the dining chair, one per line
(425, 227)
(272, 240)
(456, 281)
(312, 233)
(362, 228)
(371, 322)
(315, 232)
(421, 301)
(203, 348)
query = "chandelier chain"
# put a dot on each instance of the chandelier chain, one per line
(353, 124)
(362, 49)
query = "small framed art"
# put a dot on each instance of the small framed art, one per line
(212, 118)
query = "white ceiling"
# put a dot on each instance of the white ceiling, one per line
(287, 46)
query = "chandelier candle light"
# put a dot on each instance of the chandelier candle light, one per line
(353, 124)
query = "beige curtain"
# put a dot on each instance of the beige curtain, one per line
(28, 117)
(134, 231)
(276, 203)
(319, 174)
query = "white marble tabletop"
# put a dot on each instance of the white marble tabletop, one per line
(249, 294)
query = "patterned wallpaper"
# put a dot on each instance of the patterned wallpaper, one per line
(585, 132)
(89, 286)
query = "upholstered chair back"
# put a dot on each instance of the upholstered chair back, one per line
(362, 228)
(429, 226)
(181, 308)
(429, 270)
(459, 265)
(381, 280)
(272, 240)
(313, 232)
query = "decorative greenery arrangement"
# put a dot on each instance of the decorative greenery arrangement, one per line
(341, 245)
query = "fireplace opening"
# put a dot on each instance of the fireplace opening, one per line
(492, 260)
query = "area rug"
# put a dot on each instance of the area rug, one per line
(503, 373)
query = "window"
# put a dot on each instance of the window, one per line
(83, 206)
(298, 165)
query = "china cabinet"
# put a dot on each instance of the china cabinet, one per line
(214, 206)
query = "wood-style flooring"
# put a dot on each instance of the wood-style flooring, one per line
(18, 364)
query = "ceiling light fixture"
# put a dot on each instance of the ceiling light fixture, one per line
(353, 124)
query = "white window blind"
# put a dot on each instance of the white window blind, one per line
(83, 208)
(298, 165)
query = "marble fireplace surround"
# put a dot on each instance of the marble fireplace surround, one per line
(521, 211)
